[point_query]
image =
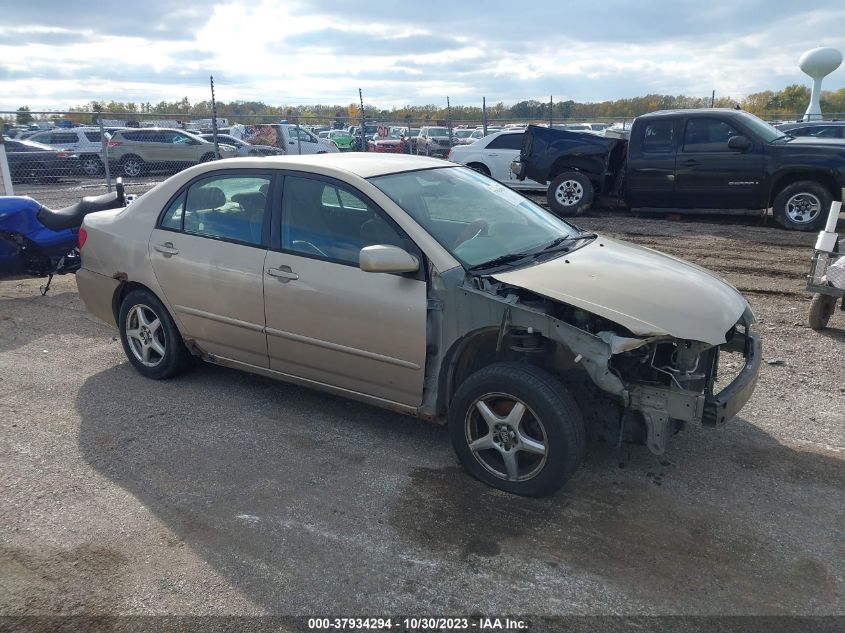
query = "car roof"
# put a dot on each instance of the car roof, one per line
(362, 164)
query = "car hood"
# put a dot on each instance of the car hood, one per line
(812, 141)
(649, 293)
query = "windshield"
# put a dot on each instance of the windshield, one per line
(473, 217)
(438, 131)
(462, 133)
(762, 129)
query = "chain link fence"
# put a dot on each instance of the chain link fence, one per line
(62, 159)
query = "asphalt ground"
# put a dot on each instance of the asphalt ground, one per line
(221, 493)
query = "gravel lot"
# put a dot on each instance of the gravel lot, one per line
(224, 493)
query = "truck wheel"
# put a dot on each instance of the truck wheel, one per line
(821, 309)
(571, 193)
(802, 206)
(516, 428)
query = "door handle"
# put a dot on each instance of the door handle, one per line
(492, 154)
(691, 162)
(166, 248)
(283, 274)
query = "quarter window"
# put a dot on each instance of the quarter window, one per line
(659, 137)
(707, 135)
(322, 220)
(506, 141)
(227, 207)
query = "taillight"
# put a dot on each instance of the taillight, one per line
(449, 155)
(114, 143)
(83, 235)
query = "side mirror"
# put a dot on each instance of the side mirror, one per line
(383, 258)
(739, 143)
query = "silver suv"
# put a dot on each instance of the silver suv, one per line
(85, 141)
(434, 141)
(136, 150)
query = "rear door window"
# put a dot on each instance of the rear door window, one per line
(659, 137)
(230, 207)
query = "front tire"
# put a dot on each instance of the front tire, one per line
(802, 206)
(821, 309)
(570, 193)
(516, 428)
(150, 338)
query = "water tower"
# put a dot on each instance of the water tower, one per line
(818, 63)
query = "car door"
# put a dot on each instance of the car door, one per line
(327, 320)
(207, 252)
(651, 164)
(710, 175)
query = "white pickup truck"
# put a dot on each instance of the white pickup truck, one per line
(291, 139)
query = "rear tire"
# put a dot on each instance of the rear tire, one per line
(132, 166)
(150, 338)
(570, 193)
(802, 206)
(91, 165)
(821, 309)
(500, 443)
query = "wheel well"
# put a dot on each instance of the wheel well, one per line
(121, 291)
(476, 165)
(482, 348)
(583, 165)
(826, 180)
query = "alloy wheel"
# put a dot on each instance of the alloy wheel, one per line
(145, 335)
(506, 437)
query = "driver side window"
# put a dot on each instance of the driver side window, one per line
(322, 220)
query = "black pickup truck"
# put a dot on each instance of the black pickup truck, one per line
(695, 160)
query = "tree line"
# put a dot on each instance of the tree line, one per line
(788, 102)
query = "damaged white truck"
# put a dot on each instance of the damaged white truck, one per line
(425, 288)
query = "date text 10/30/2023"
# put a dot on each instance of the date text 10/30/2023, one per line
(419, 624)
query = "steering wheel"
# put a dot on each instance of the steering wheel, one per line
(307, 247)
(471, 231)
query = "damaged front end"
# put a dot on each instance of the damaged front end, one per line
(640, 388)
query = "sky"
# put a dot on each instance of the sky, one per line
(60, 53)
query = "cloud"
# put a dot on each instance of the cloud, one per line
(61, 53)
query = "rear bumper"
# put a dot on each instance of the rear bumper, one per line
(723, 406)
(97, 292)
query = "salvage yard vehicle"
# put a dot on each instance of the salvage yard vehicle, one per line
(707, 160)
(85, 142)
(434, 141)
(36, 162)
(288, 137)
(426, 288)
(493, 155)
(244, 148)
(135, 151)
(826, 279)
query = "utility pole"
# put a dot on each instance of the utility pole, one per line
(551, 110)
(214, 119)
(449, 119)
(363, 140)
(484, 115)
(713, 99)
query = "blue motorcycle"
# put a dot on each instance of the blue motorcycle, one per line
(42, 242)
